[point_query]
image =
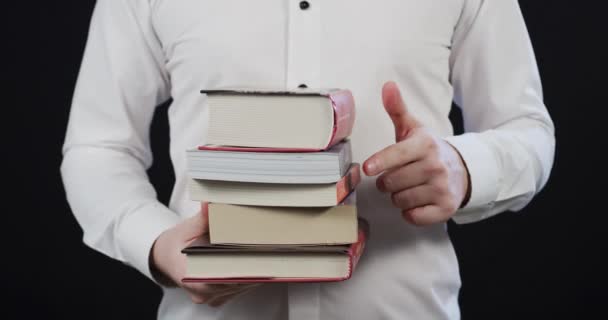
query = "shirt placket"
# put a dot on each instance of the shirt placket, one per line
(304, 44)
(304, 71)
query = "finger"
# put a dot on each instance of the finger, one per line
(210, 290)
(226, 287)
(213, 292)
(196, 225)
(395, 155)
(222, 299)
(198, 299)
(202, 294)
(415, 197)
(205, 210)
(427, 215)
(217, 302)
(199, 293)
(409, 176)
(397, 111)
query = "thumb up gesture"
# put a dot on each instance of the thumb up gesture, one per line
(425, 175)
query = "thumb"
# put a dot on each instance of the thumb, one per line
(196, 225)
(396, 109)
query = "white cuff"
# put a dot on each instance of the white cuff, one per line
(139, 230)
(484, 172)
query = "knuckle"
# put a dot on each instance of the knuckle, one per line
(430, 143)
(450, 206)
(440, 188)
(442, 168)
(198, 299)
(417, 131)
(411, 198)
(405, 198)
(448, 211)
(435, 167)
(402, 150)
(414, 218)
(387, 182)
(398, 199)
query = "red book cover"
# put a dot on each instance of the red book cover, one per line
(344, 115)
(343, 104)
(353, 251)
(349, 182)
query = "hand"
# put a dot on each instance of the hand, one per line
(426, 176)
(168, 260)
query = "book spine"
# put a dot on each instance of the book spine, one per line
(344, 116)
(356, 250)
(348, 183)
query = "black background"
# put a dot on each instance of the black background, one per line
(543, 262)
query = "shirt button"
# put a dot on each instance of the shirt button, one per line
(304, 5)
(303, 86)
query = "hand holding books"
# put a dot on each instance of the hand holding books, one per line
(169, 264)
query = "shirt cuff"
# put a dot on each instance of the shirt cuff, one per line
(483, 171)
(138, 232)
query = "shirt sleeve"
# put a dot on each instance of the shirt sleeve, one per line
(106, 151)
(509, 142)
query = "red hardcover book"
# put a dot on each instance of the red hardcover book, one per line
(271, 120)
(209, 263)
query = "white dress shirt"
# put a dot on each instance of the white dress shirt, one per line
(142, 52)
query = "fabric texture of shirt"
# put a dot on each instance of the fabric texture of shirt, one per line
(140, 53)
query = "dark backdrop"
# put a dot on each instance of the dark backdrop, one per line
(543, 262)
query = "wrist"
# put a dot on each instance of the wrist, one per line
(465, 177)
(160, 276)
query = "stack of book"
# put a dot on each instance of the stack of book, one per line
(277, 172)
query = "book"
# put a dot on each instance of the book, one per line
(245, 225)
(302, 119)
(210, 263)
(328, 166)
(276, 194)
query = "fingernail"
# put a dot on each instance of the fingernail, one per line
(371, 168)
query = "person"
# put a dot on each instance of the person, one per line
(405, 61)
